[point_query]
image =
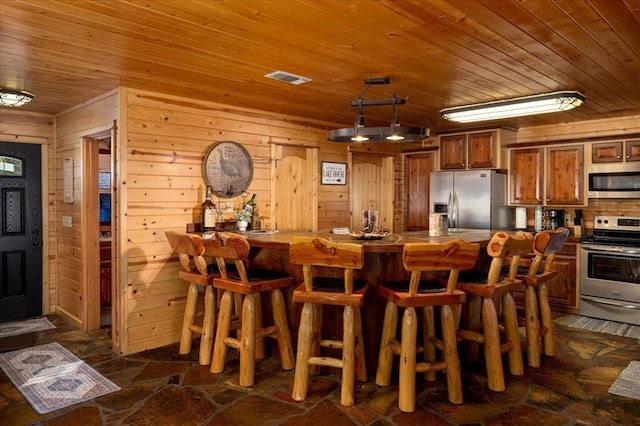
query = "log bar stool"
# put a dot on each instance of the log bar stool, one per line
(315, 292)
(249, 283)
(190, 248)
(483, 293)
(418, 258)
(539, 324)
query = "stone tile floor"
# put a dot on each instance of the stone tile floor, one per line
(160, 387)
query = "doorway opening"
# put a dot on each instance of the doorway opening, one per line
(105, 218)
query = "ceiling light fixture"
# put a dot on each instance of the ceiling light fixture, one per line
(393, 133)
(14, 98)
(517, 107)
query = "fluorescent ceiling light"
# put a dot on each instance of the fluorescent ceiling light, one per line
(14, 98)
(517, 107)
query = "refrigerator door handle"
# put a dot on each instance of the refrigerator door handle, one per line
(450, 212)
(455, 210)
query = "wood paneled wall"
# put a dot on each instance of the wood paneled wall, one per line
(24, 127)
(162, 188)
(93, 117)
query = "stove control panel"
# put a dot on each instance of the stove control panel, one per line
(619, 223)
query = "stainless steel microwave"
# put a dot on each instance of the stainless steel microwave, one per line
(614, 180)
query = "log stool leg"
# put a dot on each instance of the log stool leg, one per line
(510, 318)
(454, 379)
(248, 340)
(260, 346)
(316, 328)
(532, 327)
(208, 325)
(284, 335)
(186, 337)
(385, 356)
(348, 357)
(473, 314)
(428, 332)
(407, 389)
(548, 344)
(305, 341)
(361, 364)
(222, 332)
(492, 353)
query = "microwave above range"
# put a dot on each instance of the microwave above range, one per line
(620, 180)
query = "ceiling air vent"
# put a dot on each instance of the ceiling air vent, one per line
(287, 77)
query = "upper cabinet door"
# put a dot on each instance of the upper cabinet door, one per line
(565, 176)
(608, 152)
(526, 176)
(482, 150)
(632, 150)
(453, 152)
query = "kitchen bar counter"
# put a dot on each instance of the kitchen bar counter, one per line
(383, 262)
(394, 243)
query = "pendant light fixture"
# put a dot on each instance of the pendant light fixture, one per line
(359, 132)
(14, 98)
(517, 107)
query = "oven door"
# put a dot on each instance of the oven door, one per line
(610, 283)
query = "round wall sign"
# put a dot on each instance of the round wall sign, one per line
(227, 169)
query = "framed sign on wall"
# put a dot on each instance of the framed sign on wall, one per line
(227, 169)
(334, 173)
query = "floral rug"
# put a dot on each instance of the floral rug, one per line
(14, 328)
(628, 382)
(50, 377)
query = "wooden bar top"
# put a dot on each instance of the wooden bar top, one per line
(394, 243)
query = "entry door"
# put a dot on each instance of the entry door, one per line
(21, 231)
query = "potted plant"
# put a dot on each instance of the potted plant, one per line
(242, 218)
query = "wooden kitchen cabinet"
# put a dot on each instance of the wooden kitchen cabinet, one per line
(473, 150)
(632, 150)
(563, 294)
(550, 176)
(526, 175)
(615, 151)
(606, 152)
(565, 176)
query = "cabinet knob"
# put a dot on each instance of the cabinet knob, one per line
(628, 156)
(618, 157)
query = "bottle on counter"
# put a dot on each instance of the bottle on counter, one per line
(208, 212)
(251, 204)
(255, 220)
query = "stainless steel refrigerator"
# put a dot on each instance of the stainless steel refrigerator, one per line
(475, 199)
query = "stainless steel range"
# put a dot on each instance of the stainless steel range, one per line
(610, 270)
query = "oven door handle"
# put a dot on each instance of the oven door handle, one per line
(610, 302)
(612, 249)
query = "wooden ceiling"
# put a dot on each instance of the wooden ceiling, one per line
(437, 54)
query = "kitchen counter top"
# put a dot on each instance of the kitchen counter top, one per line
(390, 244)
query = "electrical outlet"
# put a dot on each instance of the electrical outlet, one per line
(66, 221)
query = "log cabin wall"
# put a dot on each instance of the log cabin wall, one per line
(25, 127)
(73, 299)
(162, 187)
(584, 132)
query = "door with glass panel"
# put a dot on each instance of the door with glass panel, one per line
(20, 231)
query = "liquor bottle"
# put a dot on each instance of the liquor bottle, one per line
(208, 212)
(255, 221)
(251, 204)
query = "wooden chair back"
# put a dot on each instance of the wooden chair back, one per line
(452, 256)
(228, 247)
(503, 246)
(318, 251)
(545, 246)
(189, 247)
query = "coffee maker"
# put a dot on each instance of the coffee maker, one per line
(554, 219)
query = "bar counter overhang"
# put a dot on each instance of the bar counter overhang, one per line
(383, 262)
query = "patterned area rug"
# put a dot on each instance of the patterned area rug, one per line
(628, 383)
(50, 377)
(600, 326)
(27, 326)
